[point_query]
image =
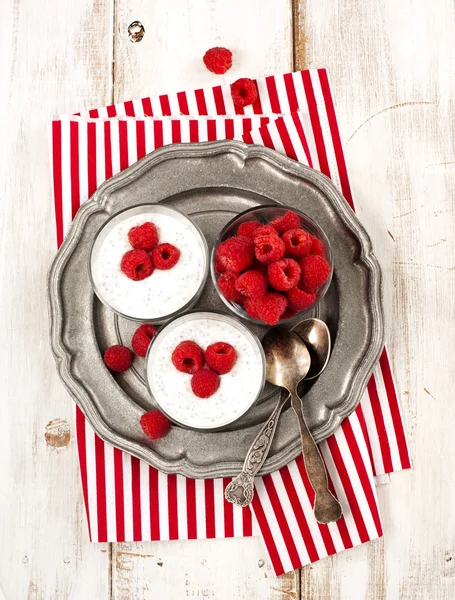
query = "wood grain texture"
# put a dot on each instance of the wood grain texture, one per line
(391, 66)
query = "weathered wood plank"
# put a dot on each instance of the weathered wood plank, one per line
(55, 58)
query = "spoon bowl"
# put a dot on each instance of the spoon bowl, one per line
(316, 336)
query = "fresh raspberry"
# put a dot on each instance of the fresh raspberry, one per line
(244, 91)
(248, 228)
(289, 313)
(283, 274)
(299, 298)
(252, 308)
(142, 338)
(118, 358)
(315, 271)
(289, 220)
(218, 60)
(252, 284)
(137, 265)
(219, 268)
(220, 357)
(235, 254)
(188, 357)
(271, 307)
(317, 247)
(204, 383)
(298, 243)
(154, 424)
(269, 248)
(264, 230)
(165, 256)
(143, 237)
(226, 283)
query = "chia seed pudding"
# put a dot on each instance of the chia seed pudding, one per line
(165, 291)
(238, 389)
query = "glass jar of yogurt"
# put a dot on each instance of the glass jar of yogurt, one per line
(163, 294)
(239, 389)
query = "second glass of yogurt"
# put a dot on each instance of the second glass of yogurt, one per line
(239, 389)
(166, 292)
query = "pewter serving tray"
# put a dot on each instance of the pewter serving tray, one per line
(212, 182)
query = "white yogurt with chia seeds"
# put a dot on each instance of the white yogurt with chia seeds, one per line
(238, 389)
(165, 291)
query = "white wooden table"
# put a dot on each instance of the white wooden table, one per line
(392, 69)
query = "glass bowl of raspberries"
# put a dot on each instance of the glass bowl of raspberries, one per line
(270, 264)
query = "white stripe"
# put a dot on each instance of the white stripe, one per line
(156, 106)
(372, 434)
(131, 140)
(218, 491)
(228, 103)
(297, 143)
(388, 421)
(358, 434)
(264, 97)
(181, 508)
(237, 518)
(127, 496)
(138, 108)
(273, 525)
(100, 159)
(163, 506)
(282, 94)
(307, 509)
(276, 140)
(149, 136)
(167, 132)
(256, 137)
(174, 105)
(120, 109)
(66, 175)
(185, 130)
(145, 500)
(110, 493)
(202, 130)
(201, 532)
(210, 102)
(291, 520)
(115, 146)
(340, 493)
(192, 104)
(220, 128)
(91, 481)
(303, 106)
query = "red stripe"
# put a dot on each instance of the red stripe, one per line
(228, 513)
(219, 100)
(100, 489)
(57, 175)
(172, 506)
(229, 128)
(264, 121)
(91, 158)
(93, 114)
(119, 501)
(395, 410)
(267, 535)
(324, 530)
(111, 111)
(74, 166)
(290, 92)
(211, 130)
(344, 533)
(209, 508)
(285, 139)
(348, 489)
(315, 123)
(194, 130)
(336, 138)
(129, 108)
(200, 101)
(247, 125)
(380, 425)
(81, 449)
(299, 514)
(363, 426)
(140, 139)
(165, 106)
(191, 508)
(147, 107)
(301, 132)
(136, 495)
(363, 475)
(282, 521)
(248, 138)
(257, 106)
(107, 150)
(264, 132)
(158, 133)
(247, 522)
(154, 505)
(123, 143)
(183, 103)
(176, 134)
(273, 94)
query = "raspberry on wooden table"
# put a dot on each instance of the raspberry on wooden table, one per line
(142, 338)
(137, 265)
(165, 256)
(226, 283)
(218, 60)
(143, 237)
(220, 357)
(244, 91)
(283, 274)
(235, 254)
(269, 248)
(248, 228)
(188, 357)
(271, 307)
(118, 358)
(252, 284)
(205, 383)
(290, 220)
(154, 424)
(315, 270)
(298, 243)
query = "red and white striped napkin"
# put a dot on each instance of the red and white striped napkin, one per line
(125, 498)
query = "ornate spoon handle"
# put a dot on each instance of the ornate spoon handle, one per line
(241, 489)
